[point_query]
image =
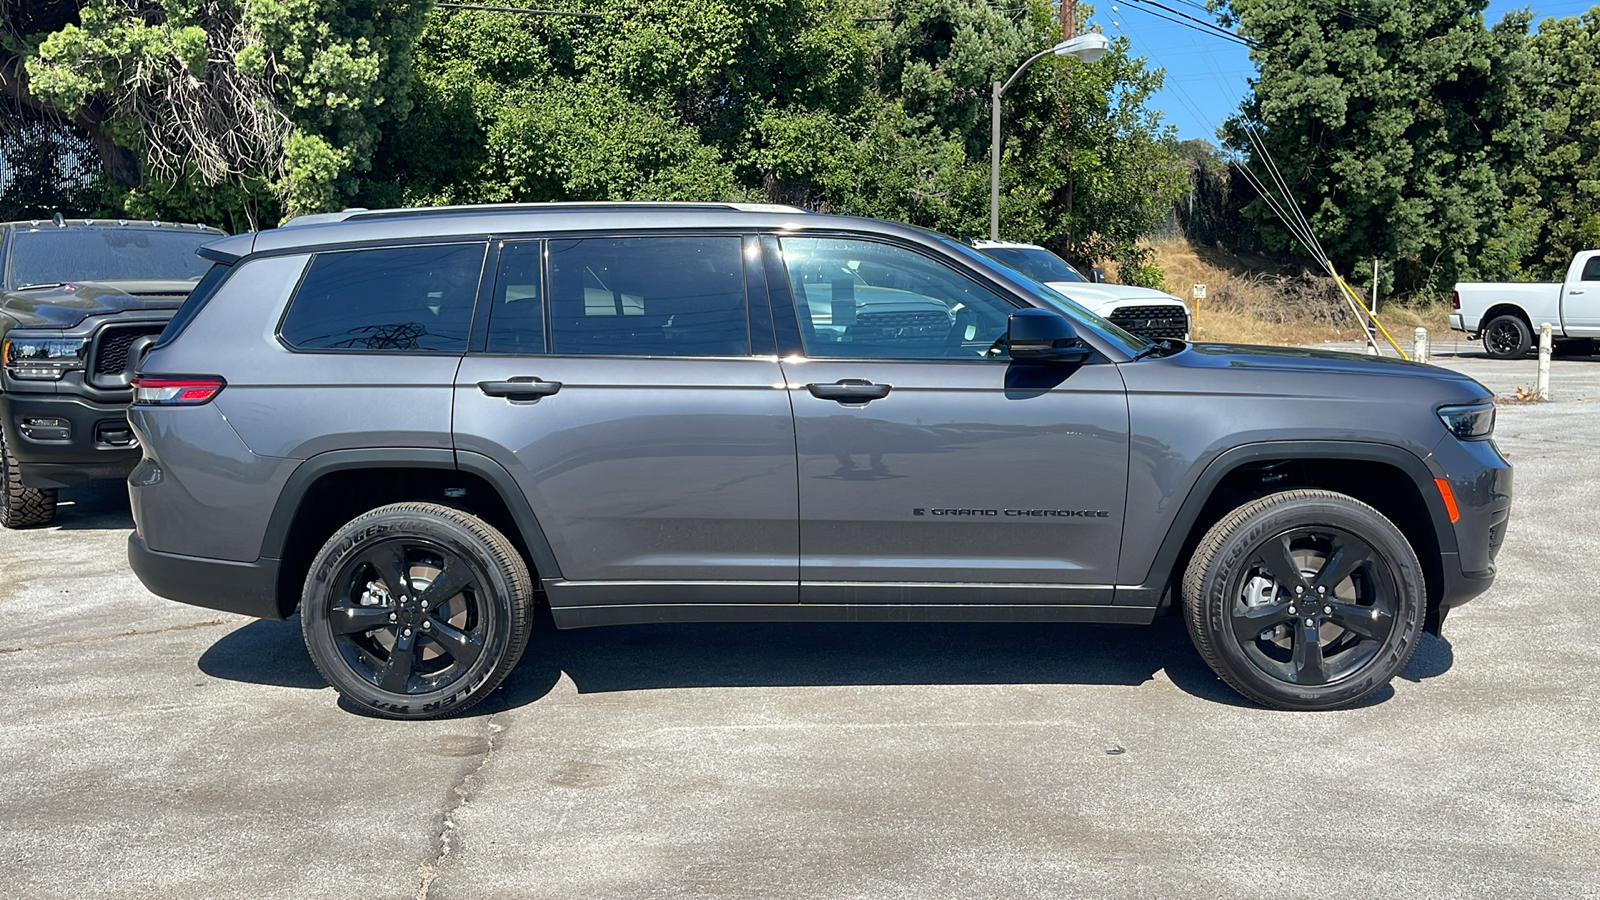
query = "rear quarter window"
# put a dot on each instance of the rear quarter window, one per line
(415, 299)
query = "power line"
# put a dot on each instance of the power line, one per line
(1191, 23)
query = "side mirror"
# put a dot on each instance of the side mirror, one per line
(1042, 335)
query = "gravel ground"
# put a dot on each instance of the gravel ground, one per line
(159, 750)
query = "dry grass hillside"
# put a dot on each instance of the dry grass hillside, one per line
(1255, 300)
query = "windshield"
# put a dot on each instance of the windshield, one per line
(1035, 262)
(65, 255)
(1080, 317)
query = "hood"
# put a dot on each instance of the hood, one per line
(1096, 297)
(64, 306)
(1307, 360)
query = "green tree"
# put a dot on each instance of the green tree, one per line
(233, 106)
(1569, 188)
(1407, 131)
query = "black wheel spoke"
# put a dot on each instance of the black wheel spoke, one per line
(1248, 625)
(462, 647)
(1276, 557)
(1349, 554)
(389, 560)
(1371, 622)
(453, 580)
(1307, 658)
(356, 619)
(395, 676)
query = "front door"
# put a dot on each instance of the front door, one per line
(931, 468)
(619, 385)
(1580, 296)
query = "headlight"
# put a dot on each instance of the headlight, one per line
(44, 359)
(1468, 423)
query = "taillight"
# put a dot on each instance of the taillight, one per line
(1455, 299)
(176, 390)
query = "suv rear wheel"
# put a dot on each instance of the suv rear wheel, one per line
(415, 610)
(1305, 600)
(22, 507)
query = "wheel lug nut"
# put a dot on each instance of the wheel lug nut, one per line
(424, 604)
(392, 617)
(1291, 611)
(427, 626)
(407, 632)
(1299, 589)
(1308, 622)
(1322, 590)
(1327, 610)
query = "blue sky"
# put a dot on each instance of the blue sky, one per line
(1206, 76)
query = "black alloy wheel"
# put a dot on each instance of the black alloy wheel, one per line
(1313, 605)
(1507, 337)
(416, 610)
(1305, 600)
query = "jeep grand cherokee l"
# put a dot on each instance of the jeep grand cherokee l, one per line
(80, 299)
(412, 425)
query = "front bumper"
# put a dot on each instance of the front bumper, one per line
(1480, 480)
(247, 588)
(60, 440)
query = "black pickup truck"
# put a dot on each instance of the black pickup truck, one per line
(80, 301)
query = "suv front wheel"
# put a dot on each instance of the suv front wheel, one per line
(1305, 600)
(416, 610)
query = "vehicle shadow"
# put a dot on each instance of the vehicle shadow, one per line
(649, 657)
(94, 506)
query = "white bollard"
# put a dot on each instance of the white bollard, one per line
(1544, 361)
(1419, 345)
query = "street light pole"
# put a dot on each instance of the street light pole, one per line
(1087, 47)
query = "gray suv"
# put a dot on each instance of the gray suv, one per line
(411, 426)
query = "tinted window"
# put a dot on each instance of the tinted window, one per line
(516, 316)
(864, 300)
(1591, 269)
(93, 253)
(1035, 262)
(403, 299)
(651, 296)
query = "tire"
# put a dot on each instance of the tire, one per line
(22, 507)
(1241, 585)
(419, 652)
(1507, 337)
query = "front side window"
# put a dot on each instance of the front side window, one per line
(648, 296)
(1591, 269)
(860, 299)
(393, 299)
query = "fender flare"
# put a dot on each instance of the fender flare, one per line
(1149, 592)
(306, 474)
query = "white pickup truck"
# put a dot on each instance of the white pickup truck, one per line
(1144, 311)
(1507, 314)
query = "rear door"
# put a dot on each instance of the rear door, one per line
(1580, 296)
(639, 405)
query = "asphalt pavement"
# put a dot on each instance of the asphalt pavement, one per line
(153, 749)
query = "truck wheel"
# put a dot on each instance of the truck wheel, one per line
(416, 611)
(1507, 337)
(22, 507)
(1305, 600)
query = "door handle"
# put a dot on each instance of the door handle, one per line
(849, 390)
(1575, 292)
(522, 387)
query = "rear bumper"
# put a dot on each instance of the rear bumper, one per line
(247, 588)
(60, 440)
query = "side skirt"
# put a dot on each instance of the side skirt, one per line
(640, 613)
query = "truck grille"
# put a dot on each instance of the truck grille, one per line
(902, 326)
(1152, 321)
(111, 350)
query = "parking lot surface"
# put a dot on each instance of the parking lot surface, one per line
(153, 749)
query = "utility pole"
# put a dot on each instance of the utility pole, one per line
(1069, 19)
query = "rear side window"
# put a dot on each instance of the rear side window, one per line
(648, 296)
(516, 317)
(394, 299)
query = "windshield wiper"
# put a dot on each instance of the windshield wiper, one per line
(1155, 346)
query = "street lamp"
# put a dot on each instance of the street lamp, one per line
(1088, 47)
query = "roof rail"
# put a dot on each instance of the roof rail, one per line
(356, 213)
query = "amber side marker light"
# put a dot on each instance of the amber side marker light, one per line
(1449, 499)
